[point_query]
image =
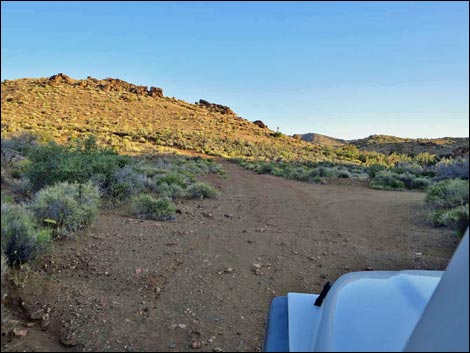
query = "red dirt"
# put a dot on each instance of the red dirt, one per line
(130, 283)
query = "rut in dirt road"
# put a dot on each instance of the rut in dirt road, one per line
(171, 286)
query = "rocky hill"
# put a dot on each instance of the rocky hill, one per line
(135, 119)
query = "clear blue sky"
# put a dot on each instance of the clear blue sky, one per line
(344, 69)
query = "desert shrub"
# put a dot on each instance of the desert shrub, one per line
(76, 162)
(374, 169)
(66, 207)
(343, 173)
(171, 191)
(425, 158)
(18, 169)
(410, 168)
(360, 176)
(173, 178)
(277, 171)
(149, 170)
(448, 194)
(297, 173)
(188, 166)
(146, 207)
(452, 169)
(321, 172)
(264, 168)
(411, 181)
(276, 134)
(123, 183)
(22, 239)
(386, 180)
(421, 183)
(449, 202)
(7, 198)
(407, 178)
(201, 190)
(23, 143)
(316, 179)
(215, 168)
(456, 218)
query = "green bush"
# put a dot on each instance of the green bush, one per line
(374, 169)
(147, 207)
(171, 191)
(66, 207)
(316, 179)
(456, 218)
(449, 201)
(123, 183)
(448, 194)
(173, 178)
(23, 143)
(215, 168)
(201, 190)
(22, 239)
(386, 180)
(321, 172)
(406, 167)
(297, 173)
(407, 179)
(264, 168)
(421, 183)
(343, 173)
(53, 163)
(452, 169)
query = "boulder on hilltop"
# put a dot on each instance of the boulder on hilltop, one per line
(155, 92)
(260, 124)
(59, 78)
(216, 108)
(108, 84)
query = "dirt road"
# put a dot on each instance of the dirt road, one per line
(133, 285)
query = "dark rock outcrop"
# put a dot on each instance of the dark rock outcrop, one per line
(260, 124)
(108, 84)
(216, 108)
(59, 78)
(155, 92)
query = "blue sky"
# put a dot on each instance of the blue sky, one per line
(344, 69)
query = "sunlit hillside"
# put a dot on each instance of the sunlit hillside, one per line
(133, 119)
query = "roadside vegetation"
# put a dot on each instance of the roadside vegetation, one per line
(56, 191)
(444, 179)
(448, 200)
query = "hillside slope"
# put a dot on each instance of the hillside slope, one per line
(135, 119)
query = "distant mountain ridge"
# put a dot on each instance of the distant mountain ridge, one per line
(387, 144)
